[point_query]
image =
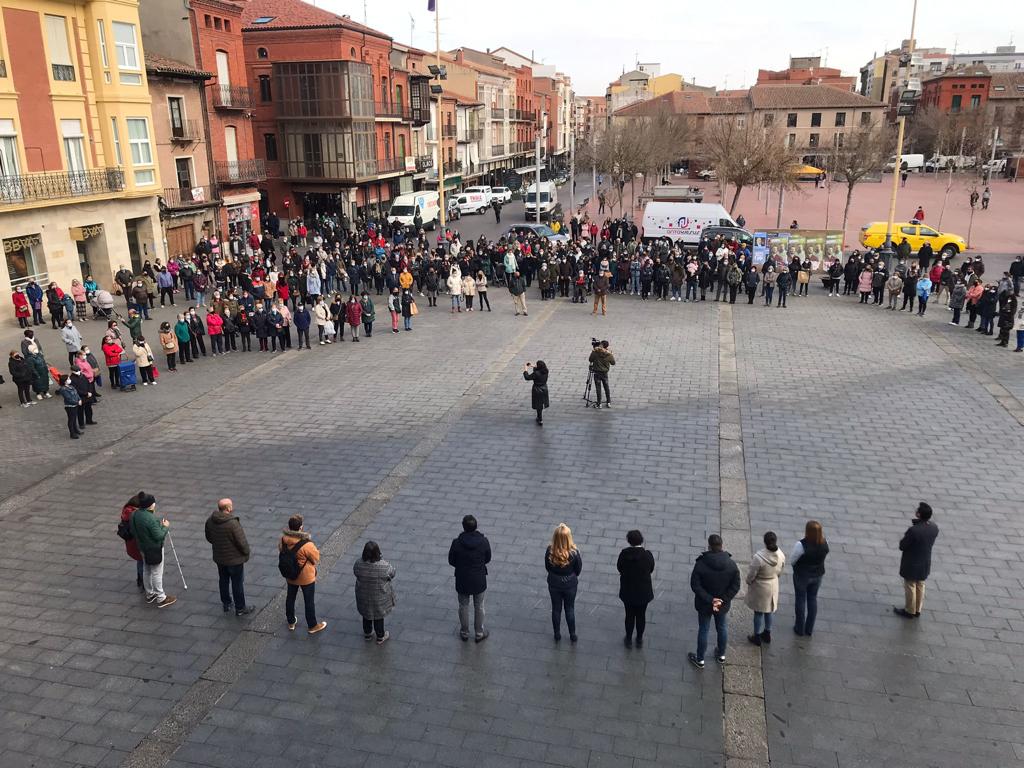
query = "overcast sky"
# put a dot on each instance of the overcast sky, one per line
(593, 40)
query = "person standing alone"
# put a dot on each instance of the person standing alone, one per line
(715, 581)
(230, 553)
(916, 560)
(469, 555)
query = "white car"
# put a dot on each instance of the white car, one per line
(708, 174)
(502, 194)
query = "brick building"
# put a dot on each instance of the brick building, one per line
(957, 90)
(807, 70)
(331, 116)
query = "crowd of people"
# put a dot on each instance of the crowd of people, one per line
(275, 289)
(715, 578)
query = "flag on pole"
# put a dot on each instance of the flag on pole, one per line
(430, 5)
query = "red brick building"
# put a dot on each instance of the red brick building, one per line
(807, 70)
(331, 116)
(524, 117)
(237, 170)
(957, 90)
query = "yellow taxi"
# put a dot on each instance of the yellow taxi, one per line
(949, 245)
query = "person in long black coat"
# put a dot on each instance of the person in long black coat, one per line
(635, 566)
(539, 393)
(916, 560)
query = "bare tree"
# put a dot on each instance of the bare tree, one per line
(743, 154)
(864, 152)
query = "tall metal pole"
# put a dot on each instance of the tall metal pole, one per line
(992, 158)
(440, 129)
(536, 152)
(572, 161)
(902, 122)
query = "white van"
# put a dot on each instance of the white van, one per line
(682, 223)
(548, 198)
(473, 202)
(481, 190)
(404, 208)
(909, 163)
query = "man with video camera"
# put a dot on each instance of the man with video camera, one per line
(601, 361)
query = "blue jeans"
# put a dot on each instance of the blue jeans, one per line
(563, 598)
(762, 621)
(138, 570)
(233, 575)
(1020, 339)
(769, 291)
(200, 298)
(721, 629)
(636, 283)
(308, 602)
(676, 291)
(691, 291)
(806, 589)
(408, 323)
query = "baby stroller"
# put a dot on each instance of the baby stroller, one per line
(102, 305)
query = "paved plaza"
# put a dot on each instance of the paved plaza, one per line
(739, 419)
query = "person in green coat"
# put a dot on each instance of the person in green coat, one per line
(149, 534)
(134, 324)
(184, 337)
(369, 314)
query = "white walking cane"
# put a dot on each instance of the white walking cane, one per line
(177, 561)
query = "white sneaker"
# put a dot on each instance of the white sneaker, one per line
(145, 383)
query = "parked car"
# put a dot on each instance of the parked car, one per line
(541, 230)
(949, 245)
(502, 194)
(708, 174)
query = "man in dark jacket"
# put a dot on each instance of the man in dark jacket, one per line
(230, 553)
(469, 555)
(916, 560)
(715, 581)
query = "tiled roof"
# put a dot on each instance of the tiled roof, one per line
(1012, 84)
(673, 102)
(161, 65)
(296, 14)
(806, 97)
(728, 105)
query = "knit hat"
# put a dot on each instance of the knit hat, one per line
(146, 501)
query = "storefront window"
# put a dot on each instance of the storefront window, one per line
(24, 258)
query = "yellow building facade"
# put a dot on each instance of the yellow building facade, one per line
(79, 175)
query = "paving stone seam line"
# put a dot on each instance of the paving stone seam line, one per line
(157, 748)
(744, 712)
(1003, 397)
(127, 442)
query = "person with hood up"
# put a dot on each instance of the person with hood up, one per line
(763, 587)
(469, 555)
(230, 553)
(715, 581)
(635, 566)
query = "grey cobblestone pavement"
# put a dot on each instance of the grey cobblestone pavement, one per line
(846, 415)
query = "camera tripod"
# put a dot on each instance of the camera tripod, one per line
(588, 389)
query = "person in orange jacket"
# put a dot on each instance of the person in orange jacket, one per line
(303, 557)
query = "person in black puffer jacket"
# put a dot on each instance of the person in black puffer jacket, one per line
(469, 555)
(230, 553)
(715, 581)
(563, 563)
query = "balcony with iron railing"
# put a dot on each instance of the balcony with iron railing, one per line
(59, 185)
(448, 131)
(240, 171)
(189, 197)
(387, 110)
(231, 97)
(424, 162)
(471, 134)
(497, 113)
(391, 165)
(188, 131)
(497, 149)
(452, 166)
(63, 72)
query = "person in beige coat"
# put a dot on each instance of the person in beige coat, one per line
(763, 587)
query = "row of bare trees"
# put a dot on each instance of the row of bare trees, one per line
(742, 153)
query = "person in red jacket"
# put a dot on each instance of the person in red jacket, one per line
(354, 315)
(919, 215)
(215, 330)
(112, 352)
(22, 310)
(130, 545)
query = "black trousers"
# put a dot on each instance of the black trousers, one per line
(184, 356)
(636, 615)
(308, 594)
(303, 334)
(217, 344)
(198, 345)
(601, 380)
(115, 376)
(83, 414)
(170, 362)
(376, 626)
(72, 412)
(751, 293)
(246, 341)
(167, 293)
(878, 294)
(908, 297)
(146, 372)
(732, 293)
(234, 576)
(24, 391)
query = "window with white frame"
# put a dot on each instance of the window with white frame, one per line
(60, 52)
(141, 150)
(8, 149)
(116, 137)
(103, 42)
(127, 53)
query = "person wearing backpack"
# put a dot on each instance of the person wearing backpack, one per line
(124, 532)
(230, 553)
(297, 561)
(149, 534)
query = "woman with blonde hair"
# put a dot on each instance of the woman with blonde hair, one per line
(563, 563)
